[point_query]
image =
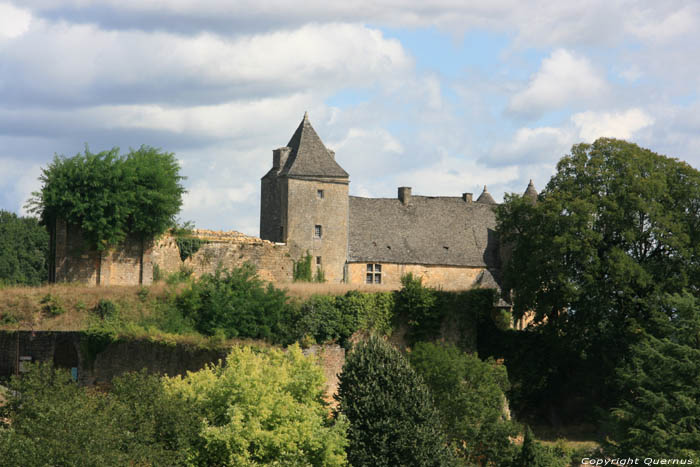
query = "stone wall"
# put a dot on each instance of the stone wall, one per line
(228, 250)
(74, 261)
(306, 209)
(444, 277)
(68, 350)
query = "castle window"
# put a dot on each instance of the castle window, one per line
(318, 261)
(374, 274)
(319, 194)
(318, 232)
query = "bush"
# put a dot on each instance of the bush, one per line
(52, 305)
(392, 417)
(235, 302)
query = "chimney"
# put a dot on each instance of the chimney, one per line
(279, 157)
(332, 153)
(405, 194)
(467, 197)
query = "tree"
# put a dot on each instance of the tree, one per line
(111, 196)
(392, 417)
(53, 421)
(616, 228)
(469, 394)
(24, 248)
(264, 407)
(658, 414)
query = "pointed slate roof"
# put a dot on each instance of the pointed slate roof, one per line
(485, 197)
(530, 191)
(309, 157)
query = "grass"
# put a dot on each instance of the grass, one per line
(575, 437)
(307, 289)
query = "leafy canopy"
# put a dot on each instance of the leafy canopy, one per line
(111, 196)
(616, 228)
(23, 250)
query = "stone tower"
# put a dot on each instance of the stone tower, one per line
(304, 202)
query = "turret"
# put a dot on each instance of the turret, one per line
(485, 197)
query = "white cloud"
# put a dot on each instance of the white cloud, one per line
(13, 21)
(622, 125)
(562, 79)
(532, 146)
(82, 63)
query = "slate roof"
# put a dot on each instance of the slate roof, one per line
(530, 191)
(309, 156)
(486, 197)
(428, 230)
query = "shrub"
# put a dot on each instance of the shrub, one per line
(52, 305)
(105, 309)
(392, 417)
(235, 302)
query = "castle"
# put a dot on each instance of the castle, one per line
(305, 210)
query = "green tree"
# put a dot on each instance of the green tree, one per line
(235, 302)
(53, 421)
(616, 228)
(659, 412)
(392, 417)
(264, 407)
(534, 454)
(469, 394)
(111, 196)
(23, 250)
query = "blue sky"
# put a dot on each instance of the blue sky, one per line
(439, 96)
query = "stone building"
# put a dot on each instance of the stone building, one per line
(306, 208)
(449, 241)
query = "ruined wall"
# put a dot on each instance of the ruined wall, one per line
(74, 261)
(68, 350)
(443, 277)
(228, 250)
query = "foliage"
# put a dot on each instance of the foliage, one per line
(23, 250)
(264, 407)
(111, 196)
(616, 228)
(105, 309)
(320, 275)
(534, 454)
(416, 302)
(469, 394)
(157, 273)
(392, 417)
(659, 412)
(52, 305)
(329, 318)
(235, 302)
(188, 246)
(302, 269)
(56, 422)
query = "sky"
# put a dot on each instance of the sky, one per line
(444, 96)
